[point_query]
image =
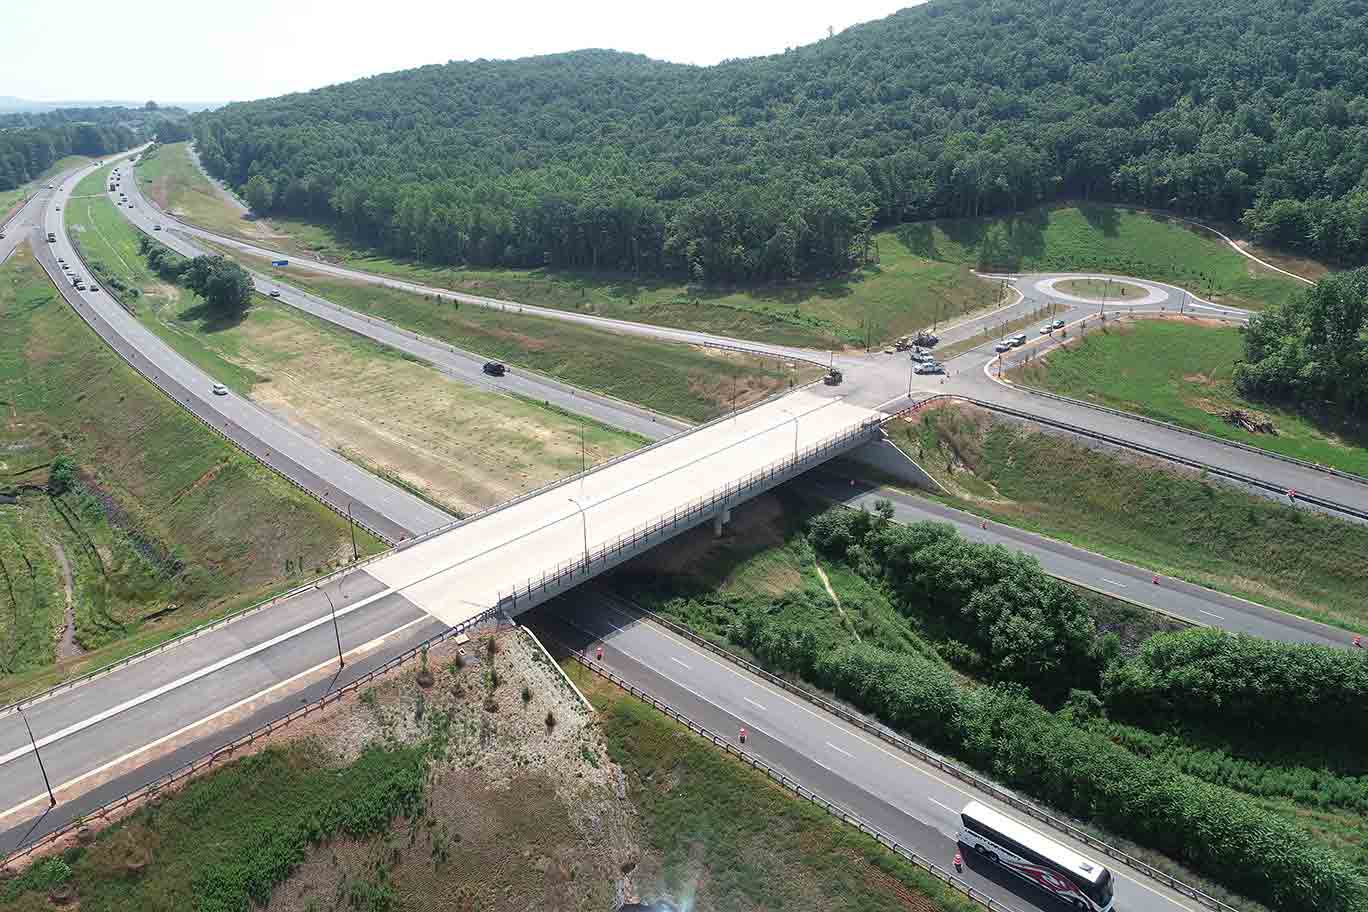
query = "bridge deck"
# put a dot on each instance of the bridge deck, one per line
(461, 573)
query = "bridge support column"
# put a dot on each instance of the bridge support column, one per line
(719, 520)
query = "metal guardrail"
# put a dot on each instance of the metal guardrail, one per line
(225, 752)
(1312, 499)
(1314, 466)
(986, 786)
(687, 516)
(799, 789)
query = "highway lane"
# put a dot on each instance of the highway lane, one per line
(880, 380)
(1184, 600)
(81, 730)
(910, 801)
(467, 367)
(391, 512)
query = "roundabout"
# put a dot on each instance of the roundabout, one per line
(1096, 289)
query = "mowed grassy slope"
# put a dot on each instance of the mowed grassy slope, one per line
(689, 382)
(169, 526)
(1147, 513)
(1104, 239)
(1182, 371)
(169, 176)
(462, 448)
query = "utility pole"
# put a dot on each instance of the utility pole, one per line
(352, 523)
(341, 664)
(52, 799)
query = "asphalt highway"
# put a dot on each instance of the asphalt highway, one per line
(886, 380)
(906, 799)
(1186, 601)
(87, 728)
(467, 367)
(391, 512)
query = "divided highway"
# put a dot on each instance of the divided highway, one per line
(389, 511)
(911, 801)
(467, 367)
(264, 658)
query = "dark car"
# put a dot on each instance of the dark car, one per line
(494, 369)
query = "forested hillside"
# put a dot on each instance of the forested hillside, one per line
(31, 142)
(778, 166)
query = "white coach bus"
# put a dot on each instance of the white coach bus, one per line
(1053, 867)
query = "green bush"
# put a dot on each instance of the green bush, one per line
(1021, 624)
(1028, 627)
(1224, 680)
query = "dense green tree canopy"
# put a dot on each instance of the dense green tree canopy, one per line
(26, 153)
(772, 166)
(224, 285)
(1313, 350)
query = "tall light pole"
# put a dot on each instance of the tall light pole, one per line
(340, 663)
(584, 528)
(352, 523)
(52, 799)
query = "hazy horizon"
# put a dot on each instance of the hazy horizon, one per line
(263, 50)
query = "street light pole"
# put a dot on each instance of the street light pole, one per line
(352, 523)
(338, 636)
(52, 799)
(584, 527)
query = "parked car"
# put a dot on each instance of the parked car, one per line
(1057, 324)
(926, 339)
(1019, 340)
(156, 227)
(220, 389)
(920, 356)
(888, 350)
(1047, 329)
(1004, 345)
(275, 292)
(832, 378)
(495, 369)
(931, 367)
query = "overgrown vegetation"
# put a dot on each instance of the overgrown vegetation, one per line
(164, 525)
(1313, 351)
(1145, 512)
(1180, 785)
(778, 166)
(223, 843)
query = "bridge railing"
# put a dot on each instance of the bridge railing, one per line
(686, 516)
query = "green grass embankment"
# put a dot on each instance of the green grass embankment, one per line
(1182, 372)
(1146, 513)
(168, 526)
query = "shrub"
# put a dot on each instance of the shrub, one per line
(1289, 689)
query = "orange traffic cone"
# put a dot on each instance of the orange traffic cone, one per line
(959, 862)
(743, 734)
(600, 654)
(1156, 579)
(1358, 641)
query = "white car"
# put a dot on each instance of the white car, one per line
(1004, 345)
(220, 389)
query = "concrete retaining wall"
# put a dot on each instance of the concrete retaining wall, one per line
(885, 456)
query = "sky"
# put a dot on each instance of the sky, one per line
(245, 49)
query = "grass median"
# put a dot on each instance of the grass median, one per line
(460, 447)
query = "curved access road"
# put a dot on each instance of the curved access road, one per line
(1165, 594)
(389, 511)
(467, 367)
